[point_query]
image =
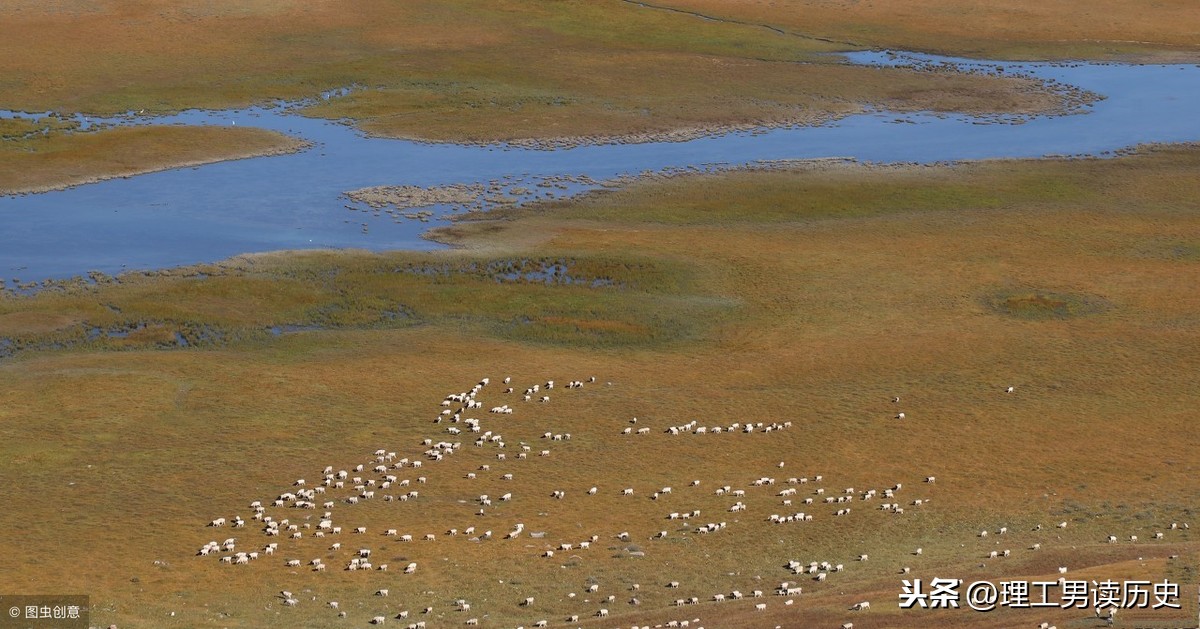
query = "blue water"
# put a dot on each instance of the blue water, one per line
(212, 212)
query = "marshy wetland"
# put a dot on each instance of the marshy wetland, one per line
(753, 300)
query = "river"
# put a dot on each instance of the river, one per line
(208, 213)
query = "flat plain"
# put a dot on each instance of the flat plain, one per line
(1006, 347)
(1022, 29)
(810, 296)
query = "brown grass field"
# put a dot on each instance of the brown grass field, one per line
(513, 60)
(551, 72)
(810, 296)
(1020, 29)
(58, 159)
(555, 72)
(450, 70)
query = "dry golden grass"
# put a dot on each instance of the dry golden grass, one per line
(780, 311)
(56, 160)
(1021, 29)
(455, 69)
(447, 70)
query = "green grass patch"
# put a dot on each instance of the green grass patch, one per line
(822, 193)
(584, 300)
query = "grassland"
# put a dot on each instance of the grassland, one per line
(812, 296)
(33, 161)
(548, 72)
(1023, 29)
(442, 70)
(454, 70)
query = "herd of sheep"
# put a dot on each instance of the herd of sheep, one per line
(390, 476)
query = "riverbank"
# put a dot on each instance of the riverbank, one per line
(452, 70)
(58, 160)
(299, 201)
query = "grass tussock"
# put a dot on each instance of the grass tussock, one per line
(776, 313)
(1037, 305)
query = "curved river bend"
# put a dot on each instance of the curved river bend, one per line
(212, 212)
